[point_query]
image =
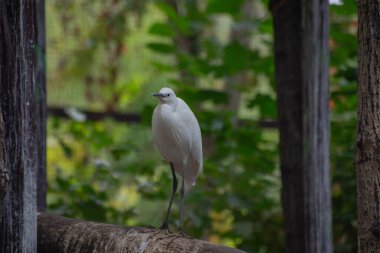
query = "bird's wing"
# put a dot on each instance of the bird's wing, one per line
(195, 160)
(170, 135)
(177, 136)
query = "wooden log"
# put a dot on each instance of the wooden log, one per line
(63, 235)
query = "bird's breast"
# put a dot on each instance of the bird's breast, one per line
(168, 135)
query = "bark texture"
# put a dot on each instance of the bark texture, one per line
(18, 227)
(301, 54)
(368, 128)
(4, 173)
(63, 235)
(41, 104)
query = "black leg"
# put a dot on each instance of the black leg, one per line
(165, 225)
(181, 210)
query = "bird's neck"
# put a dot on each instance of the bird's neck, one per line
(172, 104)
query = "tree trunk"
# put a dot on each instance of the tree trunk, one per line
(301, 52)
(18, 226)
(4, 173)
(63, 235)
(41, 105)
(368, 128)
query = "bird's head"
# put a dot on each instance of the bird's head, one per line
(166, 95)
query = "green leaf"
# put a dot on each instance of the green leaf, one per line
(162, 66)
(224, 6)
(266, 104)
(181, 22)
(236, 58)
(161, 47)
(348, 8)
(201, 95)
(161, 29)
(168, 10)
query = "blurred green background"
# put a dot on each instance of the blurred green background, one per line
(218, 56)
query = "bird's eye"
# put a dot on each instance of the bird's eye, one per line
(168, 95)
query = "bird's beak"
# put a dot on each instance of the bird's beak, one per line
(157, 95)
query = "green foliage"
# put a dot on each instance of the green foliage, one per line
(236, 58)
(108, 171)
(161, 29)
(227, 6)
(161, 47)
(343, 66)
(266, 104)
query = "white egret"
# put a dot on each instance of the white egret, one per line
(177, 136)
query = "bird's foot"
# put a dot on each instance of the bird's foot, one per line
(165, 227)
(181, 233)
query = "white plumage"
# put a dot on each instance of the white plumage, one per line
(177, 135)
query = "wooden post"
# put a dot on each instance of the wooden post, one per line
(40, 51)
(301, 53)
(18, 228)
(368, 127)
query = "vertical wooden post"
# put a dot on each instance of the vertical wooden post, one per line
(41, 103)
(368, 127)
(18, 228)
(301, 53)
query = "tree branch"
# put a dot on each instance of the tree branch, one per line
(60, 234)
